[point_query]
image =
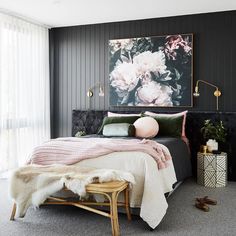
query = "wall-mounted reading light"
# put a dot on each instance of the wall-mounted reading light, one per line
(217, 92)
(101, 90)
(90, 93)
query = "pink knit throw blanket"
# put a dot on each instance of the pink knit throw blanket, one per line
(72, 150)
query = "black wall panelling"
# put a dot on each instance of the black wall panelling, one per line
(79, 59)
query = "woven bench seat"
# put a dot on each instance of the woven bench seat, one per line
(110, 190)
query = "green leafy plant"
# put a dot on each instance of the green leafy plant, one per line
(215, 131)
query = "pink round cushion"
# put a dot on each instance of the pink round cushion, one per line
(146, 127)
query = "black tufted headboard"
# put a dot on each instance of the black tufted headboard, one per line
(90, 121)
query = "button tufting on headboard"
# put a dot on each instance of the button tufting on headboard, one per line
(88, 121)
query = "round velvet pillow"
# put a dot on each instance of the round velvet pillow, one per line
(146, 127)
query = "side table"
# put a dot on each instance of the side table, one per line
(212, 169)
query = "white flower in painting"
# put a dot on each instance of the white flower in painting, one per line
(146, 67)
(150, 62)
(124, 78)
(154, 94)
(145, 78)
(121, 44)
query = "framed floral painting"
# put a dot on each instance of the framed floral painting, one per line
(151, 71)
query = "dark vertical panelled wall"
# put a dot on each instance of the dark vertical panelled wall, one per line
(79, 59)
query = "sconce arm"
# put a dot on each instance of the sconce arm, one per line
(217, 92)
(205, 82)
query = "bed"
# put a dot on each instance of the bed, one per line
(141, 165)
(89, 122)
(156, 164)
(179, 151)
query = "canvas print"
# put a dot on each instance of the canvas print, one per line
(151, 71)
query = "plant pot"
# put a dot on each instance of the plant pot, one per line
(212, 145)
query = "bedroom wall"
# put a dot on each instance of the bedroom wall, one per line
(79, 59)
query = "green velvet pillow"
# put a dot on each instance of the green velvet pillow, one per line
(170, 126)
(119, 130)
(116, 119)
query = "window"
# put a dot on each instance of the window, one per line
(24, 90)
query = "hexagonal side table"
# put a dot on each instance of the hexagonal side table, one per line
(212, 169)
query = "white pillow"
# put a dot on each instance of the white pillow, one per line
(146, 127)
(112, 114)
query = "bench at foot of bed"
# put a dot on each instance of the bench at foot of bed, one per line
(110, 189)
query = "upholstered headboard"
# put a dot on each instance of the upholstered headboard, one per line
(90, 121)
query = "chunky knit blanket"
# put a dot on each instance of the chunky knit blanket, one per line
(72, 150)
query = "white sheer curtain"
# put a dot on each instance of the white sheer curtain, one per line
(24, 90)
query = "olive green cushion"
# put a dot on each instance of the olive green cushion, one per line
(119, 130)
(170, 126)
(116, 119)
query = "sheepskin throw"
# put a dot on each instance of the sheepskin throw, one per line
(33, 184)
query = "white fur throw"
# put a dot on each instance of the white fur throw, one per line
(33, 184)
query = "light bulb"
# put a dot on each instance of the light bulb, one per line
(101, 92)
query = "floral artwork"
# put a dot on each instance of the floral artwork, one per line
(151, 71)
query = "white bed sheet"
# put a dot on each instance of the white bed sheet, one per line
(151, 183)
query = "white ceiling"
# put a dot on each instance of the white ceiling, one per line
(57, 13)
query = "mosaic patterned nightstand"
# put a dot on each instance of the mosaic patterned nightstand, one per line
(212, 169)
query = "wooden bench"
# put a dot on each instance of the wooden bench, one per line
(110, 189)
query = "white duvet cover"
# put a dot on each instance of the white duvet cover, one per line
(151, 183)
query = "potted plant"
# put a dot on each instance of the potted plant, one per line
(214, 133)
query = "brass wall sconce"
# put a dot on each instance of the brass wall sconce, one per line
(90, 93)
(217, 92)
(101, 90)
